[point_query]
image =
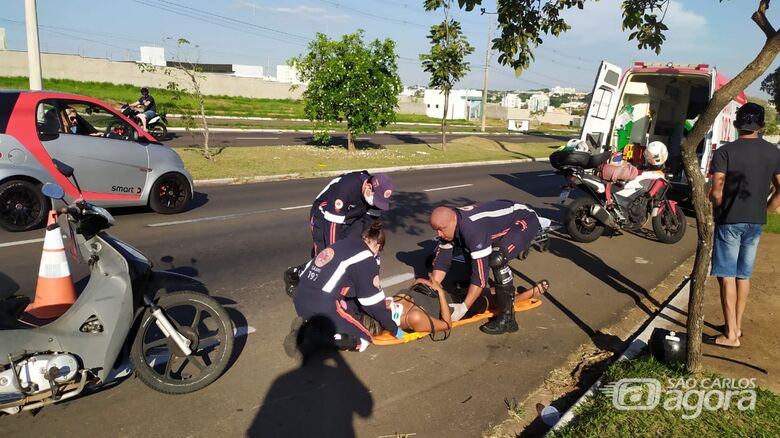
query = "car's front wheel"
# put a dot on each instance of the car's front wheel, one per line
(171, 193)
(22, 206)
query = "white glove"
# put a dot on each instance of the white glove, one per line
(458, 310)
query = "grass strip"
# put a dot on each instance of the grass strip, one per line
(237, 162)
(772, 223)
(599, 418)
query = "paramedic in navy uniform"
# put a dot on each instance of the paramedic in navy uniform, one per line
(342, 281)
(491, 233)
(346, 206)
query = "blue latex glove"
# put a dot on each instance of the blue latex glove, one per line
(399, 334)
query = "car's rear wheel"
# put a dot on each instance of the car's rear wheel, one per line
(171, 193)
(22, 206)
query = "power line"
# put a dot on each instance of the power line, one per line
(375, 16)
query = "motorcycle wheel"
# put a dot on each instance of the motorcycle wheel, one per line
(670, 227)
(582, 227)
(208, 327)
(159, 132)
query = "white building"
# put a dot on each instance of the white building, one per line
(248, 71)
(511, 100)
(463, 104)
(538, 102)
(2, 38)
(562, 90)
(285, 73)
(153, 55)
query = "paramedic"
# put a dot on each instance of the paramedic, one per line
(491, 233)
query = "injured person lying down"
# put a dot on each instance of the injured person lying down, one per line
(425, 307)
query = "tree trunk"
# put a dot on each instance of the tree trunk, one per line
(704, 215)
(350, 143)
(206, 151)
(444, 121)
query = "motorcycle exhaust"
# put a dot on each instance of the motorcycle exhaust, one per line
(603, 216)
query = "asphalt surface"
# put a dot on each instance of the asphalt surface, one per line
(244, 237)
(253, 138)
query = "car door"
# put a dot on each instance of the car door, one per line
(109, 164)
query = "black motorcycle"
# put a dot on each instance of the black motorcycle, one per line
(156, 126)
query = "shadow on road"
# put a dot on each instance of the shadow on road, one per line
(320, 398)
(8, 286)
(610, 276)
(531, 183)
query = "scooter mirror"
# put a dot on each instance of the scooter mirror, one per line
(53, 191)
(63, 168)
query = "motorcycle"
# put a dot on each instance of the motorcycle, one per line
(617, 205)
(157, 126)
(177, 338)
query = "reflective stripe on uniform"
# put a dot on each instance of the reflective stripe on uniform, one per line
(498, 213)
(342, 269)
(333, 181)
(373, 299)
(481, 253)
(330, 217)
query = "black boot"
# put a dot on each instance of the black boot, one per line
(505, 321)
(292, 276)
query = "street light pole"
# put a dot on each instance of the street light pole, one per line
(487, 69)
(33, 46)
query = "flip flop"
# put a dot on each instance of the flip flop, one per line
(722, 328)
(713, 340)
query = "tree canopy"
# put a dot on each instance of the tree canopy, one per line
(349, 81)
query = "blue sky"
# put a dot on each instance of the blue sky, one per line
(263, 32)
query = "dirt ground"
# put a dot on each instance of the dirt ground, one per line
(759, 354)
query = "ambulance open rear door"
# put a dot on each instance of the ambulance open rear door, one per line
(603, 105)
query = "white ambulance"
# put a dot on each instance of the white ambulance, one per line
(657, 101)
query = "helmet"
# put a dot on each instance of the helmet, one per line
(750, 117)
(656, 153)
(144, 90)
(575, 144)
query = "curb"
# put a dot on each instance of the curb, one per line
(310, 131)
(288, 176)
(641, 336)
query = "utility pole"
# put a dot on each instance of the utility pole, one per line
(487, 68)
(33, 46)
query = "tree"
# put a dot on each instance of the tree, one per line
(350, 82)
(184, 68)
(771, 86)
(523, 22)
(445, 62)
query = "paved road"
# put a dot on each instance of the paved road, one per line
(249, 138)
(244, 238)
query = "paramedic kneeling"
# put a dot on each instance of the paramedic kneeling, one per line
(491, 233)
(341, 282)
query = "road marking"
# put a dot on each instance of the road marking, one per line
(211, 218)
(548, 174)
(296, 207)
(448, 187)
(396, 279)
(257, 138)
(243, 331)
(20, 242)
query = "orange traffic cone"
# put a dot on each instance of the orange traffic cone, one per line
(55, 292)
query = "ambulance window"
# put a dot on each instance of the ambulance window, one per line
(611, 78)
(600, 104)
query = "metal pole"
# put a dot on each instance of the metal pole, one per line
(485, 84)
(33, 47)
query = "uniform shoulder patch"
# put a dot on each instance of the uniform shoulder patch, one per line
(338, 205)
(324, 257)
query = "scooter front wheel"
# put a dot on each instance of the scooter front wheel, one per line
(159, 363)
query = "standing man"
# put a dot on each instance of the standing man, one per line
(345, 207)
(492, 233)
(149, 109)
(741, 175)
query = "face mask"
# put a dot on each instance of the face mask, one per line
(369, 198)
(73, 129)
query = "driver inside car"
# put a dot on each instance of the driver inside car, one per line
(77, 125)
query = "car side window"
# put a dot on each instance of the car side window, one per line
(46, 120)
(93, 119)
